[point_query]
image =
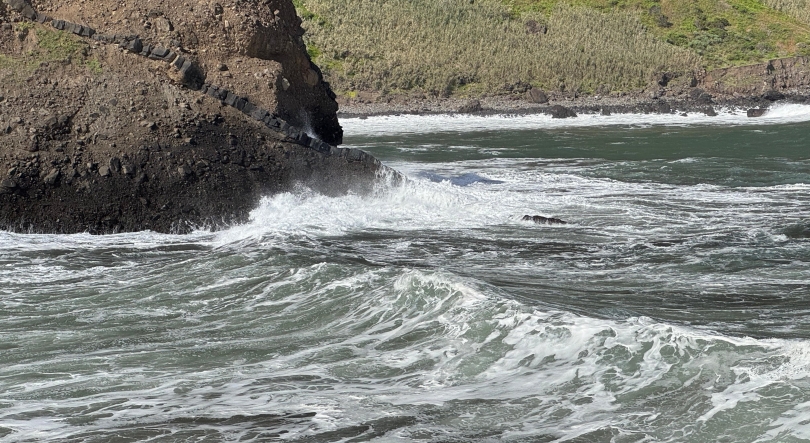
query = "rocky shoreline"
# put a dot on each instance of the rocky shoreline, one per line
(700, 102)
(755, 86)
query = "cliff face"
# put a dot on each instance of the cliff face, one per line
(252, 47)
(779, 74)
(110, 120)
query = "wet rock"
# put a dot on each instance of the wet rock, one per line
(756, 112)
(540, 220)
(710, 112)
(559, 111)
(535, 95)
(773, 95)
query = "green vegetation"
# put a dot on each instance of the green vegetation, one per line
(799, 9)
(466, 47)
(94, 66)
(51, 46)
(456, 47)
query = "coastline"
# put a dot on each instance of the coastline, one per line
(694, 100)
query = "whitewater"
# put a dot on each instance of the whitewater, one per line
(673, 305)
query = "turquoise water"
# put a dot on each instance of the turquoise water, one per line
(673, 306)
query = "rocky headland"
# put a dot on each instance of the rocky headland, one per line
(161, 115)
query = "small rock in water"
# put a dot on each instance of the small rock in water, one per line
(756, 112)
(558, 111)
(540, 220)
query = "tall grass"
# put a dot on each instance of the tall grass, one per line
(461, 46)
(800, 9)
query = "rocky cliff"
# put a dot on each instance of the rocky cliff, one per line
(160, 115)
(786, 74)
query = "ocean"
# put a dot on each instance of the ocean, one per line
(674, 305)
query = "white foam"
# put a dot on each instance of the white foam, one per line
(425, 124)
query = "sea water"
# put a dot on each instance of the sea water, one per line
(674, 306)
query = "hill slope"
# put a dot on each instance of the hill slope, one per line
(471, 47)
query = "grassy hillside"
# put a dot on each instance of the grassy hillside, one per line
(800, 9)
(466, 47)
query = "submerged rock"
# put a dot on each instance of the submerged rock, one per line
(540, 220)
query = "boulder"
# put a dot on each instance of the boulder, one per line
(158, 53)
(756, 112)
(52, 177)
(135, 45)
(115, 164)
(700, 96)
(7, 186)
(535, 95)
(540, 220)
(772, 95)
(559, 111)
(23, 7)
(162, 24)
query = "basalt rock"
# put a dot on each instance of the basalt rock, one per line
(559, 111)
(540, 220)
(756, 112)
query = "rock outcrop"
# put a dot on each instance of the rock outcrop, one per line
(759, 79)
(160, 115)
(540, 220)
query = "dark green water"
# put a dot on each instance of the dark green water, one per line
(672, 307)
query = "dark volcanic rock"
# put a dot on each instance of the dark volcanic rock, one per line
(773, 96)
(701, 97)
(540, 220)
(559, 111)
(756, 112)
